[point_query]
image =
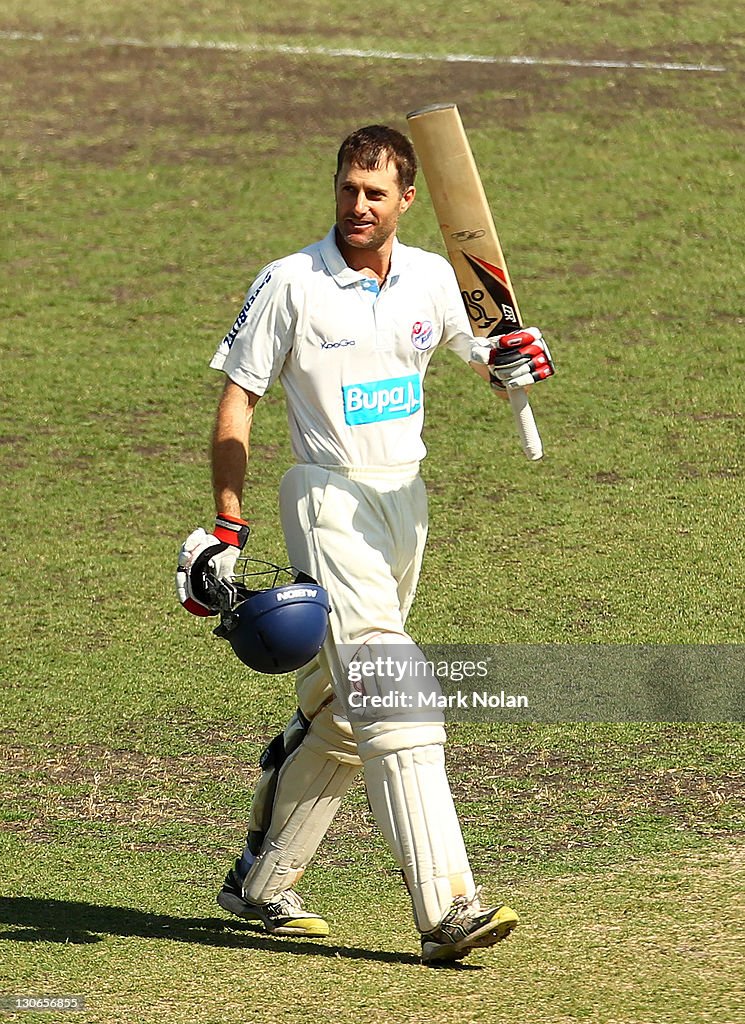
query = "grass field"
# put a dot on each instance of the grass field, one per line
(144, 183)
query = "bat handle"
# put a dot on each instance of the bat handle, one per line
(530, 439)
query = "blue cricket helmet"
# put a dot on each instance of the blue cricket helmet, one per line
(279, 628)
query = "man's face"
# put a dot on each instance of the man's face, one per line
(369, 204)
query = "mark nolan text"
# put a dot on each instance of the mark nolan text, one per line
(473, 700)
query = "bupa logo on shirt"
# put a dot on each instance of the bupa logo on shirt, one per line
(381, 400)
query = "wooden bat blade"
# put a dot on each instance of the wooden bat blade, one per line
(470, 237)
(465, 220)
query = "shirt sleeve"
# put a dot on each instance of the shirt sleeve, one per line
(457, 334)
(254, 350)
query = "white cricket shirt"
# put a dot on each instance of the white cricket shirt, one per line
(351, 359)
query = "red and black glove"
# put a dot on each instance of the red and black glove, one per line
(519, 358)
(216, 553)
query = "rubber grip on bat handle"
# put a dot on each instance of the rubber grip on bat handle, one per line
(530, 439)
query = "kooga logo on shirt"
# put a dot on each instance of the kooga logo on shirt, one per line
(381, 400)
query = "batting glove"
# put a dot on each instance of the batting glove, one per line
(519, 358)
(203, 552)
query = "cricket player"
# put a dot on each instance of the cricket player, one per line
(349, 326)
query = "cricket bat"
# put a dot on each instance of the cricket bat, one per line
(471, 239)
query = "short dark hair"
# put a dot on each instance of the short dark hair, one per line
(373, 146)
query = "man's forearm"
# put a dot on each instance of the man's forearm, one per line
(230, 446)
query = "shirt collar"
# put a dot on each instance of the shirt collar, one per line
(343, 274)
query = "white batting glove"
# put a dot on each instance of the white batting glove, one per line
(517, 359)
(204, 552)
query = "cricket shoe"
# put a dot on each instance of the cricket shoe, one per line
(466, 927)
(284, 915)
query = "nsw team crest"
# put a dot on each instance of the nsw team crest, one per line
(422, 335)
